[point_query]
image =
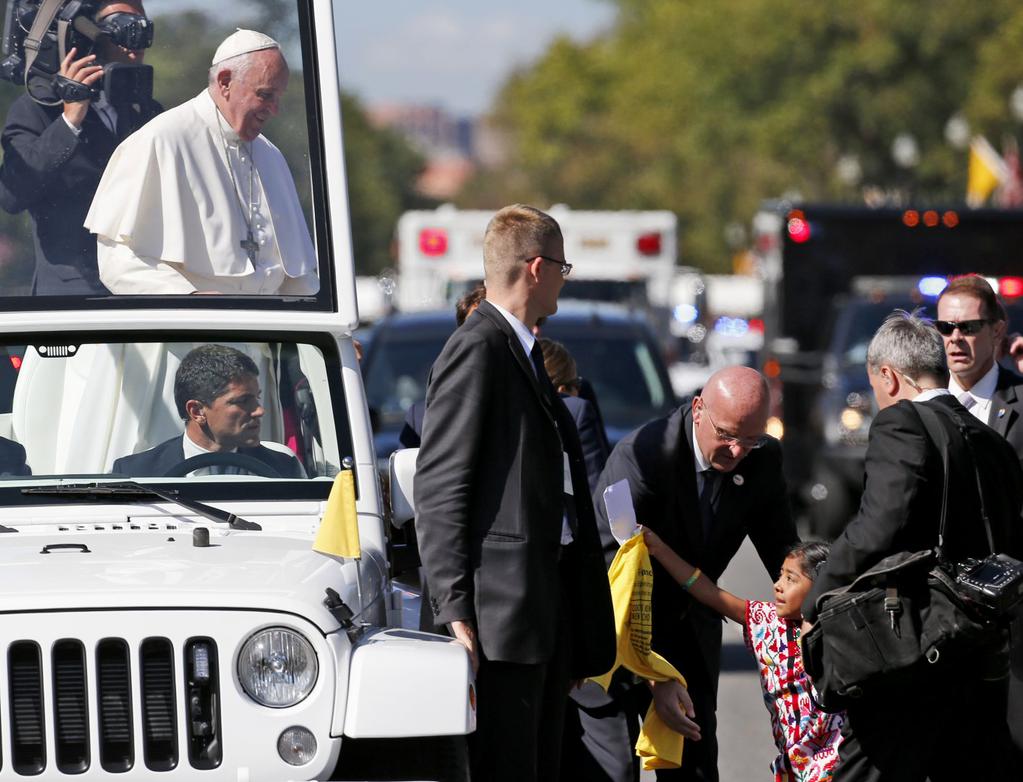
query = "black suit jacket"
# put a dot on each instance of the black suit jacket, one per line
(658, 461)
(592, 436)
(1006, 415)
(901, 504)
(53, 173)
(156, 461)
(488, 492)
(12, 458)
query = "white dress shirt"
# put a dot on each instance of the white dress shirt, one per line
(982, 392)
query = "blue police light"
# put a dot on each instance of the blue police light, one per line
(733, 327)
(686, 313)
(932, 286)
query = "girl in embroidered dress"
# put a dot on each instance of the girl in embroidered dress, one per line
(807, 737)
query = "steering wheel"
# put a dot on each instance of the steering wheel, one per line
(222, 458)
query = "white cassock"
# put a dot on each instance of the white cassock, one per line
(169, 217)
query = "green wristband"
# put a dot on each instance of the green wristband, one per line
(691, 580)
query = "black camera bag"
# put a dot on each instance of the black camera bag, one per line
(907, 612)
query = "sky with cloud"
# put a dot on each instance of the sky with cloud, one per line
(452, 53)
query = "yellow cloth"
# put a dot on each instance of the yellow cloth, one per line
(338, 535)
(632, 581)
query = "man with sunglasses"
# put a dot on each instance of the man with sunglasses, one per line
(704, 478)
(54, 156)
(972, 323)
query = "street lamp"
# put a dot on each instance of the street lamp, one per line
(957, 129)
(905, 151)
(1016, 103)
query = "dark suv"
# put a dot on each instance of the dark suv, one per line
(613, 348)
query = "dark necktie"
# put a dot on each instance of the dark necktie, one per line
(711, 481)
(536, 355)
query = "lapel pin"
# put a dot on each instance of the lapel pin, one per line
(738, 480)
(1001, 412)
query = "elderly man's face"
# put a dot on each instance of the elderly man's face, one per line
(726, 434)
(251, 100)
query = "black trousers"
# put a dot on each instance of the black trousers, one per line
(949, 729)
(520, 716)
(601, 732)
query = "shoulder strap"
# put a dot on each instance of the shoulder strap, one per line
(938, 436)
(33, 41)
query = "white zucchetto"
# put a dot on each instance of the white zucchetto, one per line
(243, 42)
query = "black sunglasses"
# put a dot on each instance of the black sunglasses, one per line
(966, 327)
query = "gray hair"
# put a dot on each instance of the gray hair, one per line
(910, 345)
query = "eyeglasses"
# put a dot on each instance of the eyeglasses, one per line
(749, 443)
(566, 267)
(966, 327)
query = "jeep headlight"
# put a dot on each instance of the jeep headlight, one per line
(277, 667)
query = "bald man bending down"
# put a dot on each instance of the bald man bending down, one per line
(703, 478)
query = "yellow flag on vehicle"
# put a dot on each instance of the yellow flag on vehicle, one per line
(986, 172)
(338, 535)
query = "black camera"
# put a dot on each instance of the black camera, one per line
(993, 584)
(38, 34)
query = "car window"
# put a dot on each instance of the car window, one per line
(624, 374)
(122, 408)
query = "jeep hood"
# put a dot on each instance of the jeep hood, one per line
(163, 569)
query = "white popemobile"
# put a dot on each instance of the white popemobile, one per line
(180, 625)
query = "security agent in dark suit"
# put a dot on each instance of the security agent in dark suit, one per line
(973, 322)
(515, 571)
(703, 478)
(216, 390)
(54, 157)
(947, 723)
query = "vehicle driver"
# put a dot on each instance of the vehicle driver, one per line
(216, 391)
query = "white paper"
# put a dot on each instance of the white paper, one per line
(620, 512)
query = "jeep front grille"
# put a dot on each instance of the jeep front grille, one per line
(107, 673)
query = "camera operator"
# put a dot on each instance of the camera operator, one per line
(54, 157)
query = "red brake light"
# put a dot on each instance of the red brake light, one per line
(799, 230)
(911, 218)
(16, 362)
(649, 244)
(1010, 287)
(930, 218)
(433, 241)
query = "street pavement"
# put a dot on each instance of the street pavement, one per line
(745, 745)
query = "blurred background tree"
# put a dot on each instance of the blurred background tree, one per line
(707, 109)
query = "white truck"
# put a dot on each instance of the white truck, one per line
(179, 625)
(621, 256)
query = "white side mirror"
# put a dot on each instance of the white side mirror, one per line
(403, 473)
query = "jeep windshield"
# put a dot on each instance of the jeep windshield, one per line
(220, 418)
(160, 185)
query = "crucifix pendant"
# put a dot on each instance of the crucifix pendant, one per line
(251, 247)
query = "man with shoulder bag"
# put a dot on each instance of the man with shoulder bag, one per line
(941, 489)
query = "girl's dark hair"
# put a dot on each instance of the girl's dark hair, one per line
(812, 555)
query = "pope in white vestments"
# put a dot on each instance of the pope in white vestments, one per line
(198, 200)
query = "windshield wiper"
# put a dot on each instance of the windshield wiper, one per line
(132, 489)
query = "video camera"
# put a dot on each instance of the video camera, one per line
(38, 34)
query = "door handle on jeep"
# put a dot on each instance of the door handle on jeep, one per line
(49, 548)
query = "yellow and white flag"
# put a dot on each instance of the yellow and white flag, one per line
(987, 171)
(339, 528)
